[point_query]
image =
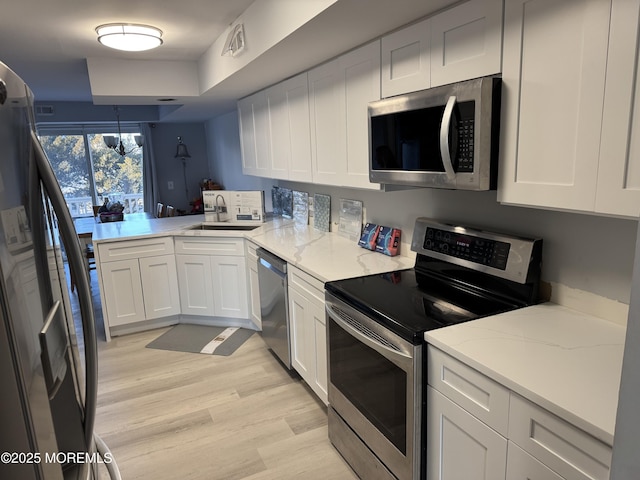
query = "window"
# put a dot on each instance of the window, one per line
(89, 172)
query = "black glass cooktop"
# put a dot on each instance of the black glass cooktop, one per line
(410, 303)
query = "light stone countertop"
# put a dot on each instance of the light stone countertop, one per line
(565, 361)
(326, 256)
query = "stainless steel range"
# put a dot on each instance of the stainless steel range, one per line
(375, 340)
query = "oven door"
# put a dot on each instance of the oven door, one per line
(375, 386)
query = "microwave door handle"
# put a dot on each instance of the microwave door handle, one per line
(444, 138)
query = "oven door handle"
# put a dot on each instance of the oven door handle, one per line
(398, 357)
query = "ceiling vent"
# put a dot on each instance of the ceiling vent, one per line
(44, 110)
(235, 41)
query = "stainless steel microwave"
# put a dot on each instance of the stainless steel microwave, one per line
(443, 137)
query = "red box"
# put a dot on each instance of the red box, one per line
(388, 241)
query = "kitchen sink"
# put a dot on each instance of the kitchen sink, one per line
(231, 226)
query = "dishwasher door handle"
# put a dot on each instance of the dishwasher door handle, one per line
(270, 261)
(272, 268)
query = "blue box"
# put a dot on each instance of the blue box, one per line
(369, 236)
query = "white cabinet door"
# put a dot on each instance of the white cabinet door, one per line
(618, 190)
(230, 286)
(328, 128)
(247, 136)
(262, 133)
(196, 284)
(308, 330)
(303, 344)
(459, 445)
(361, 70)
(255, 135)
(254, 290)
(406, 64)
(522, 466)
(160, 286)
(554, 63)
(321, 376)
(466, 42)
(339, 94)
(290, 130)
(122, 288)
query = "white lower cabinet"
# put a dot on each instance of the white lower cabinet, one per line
(139, 281)
(459, 446)
(140, 289)
(308, 330)
(159, 286)
(254, 289)
(465, 412)
(561, 446)
(230, 287)
(522, 466)
(196, 284)
(212, 276)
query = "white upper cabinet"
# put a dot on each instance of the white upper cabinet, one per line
(458, 44)
(466, 42)
(247, 136)
(290, 133)
(554, 66)
(406, 64)
(618, 189)
(339, 95)
(253, 114)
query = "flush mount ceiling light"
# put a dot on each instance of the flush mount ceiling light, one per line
(129, 36)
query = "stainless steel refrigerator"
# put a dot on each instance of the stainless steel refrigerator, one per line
(48, 385)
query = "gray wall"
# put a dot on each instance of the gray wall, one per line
(585, 252)
(170, 169)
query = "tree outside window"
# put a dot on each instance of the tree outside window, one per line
(88, 171)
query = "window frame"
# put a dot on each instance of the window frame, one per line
(89, 129)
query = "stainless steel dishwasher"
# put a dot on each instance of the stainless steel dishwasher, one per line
(274, 304)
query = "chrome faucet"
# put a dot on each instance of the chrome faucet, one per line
(220, 208)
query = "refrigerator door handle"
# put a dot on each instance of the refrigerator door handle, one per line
(76, 263)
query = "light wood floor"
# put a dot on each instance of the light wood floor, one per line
(171, 415)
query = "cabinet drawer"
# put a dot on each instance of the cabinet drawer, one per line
(126, 250)
(522, 466)
(210, 246)
(571, 452)
(473, 391)
(310, 286)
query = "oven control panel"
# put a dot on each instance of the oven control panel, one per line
(467, 247)
(503, 255)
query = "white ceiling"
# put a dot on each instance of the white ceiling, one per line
(47, 42)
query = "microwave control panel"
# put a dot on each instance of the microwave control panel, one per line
(479, 250)
(465, 115)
